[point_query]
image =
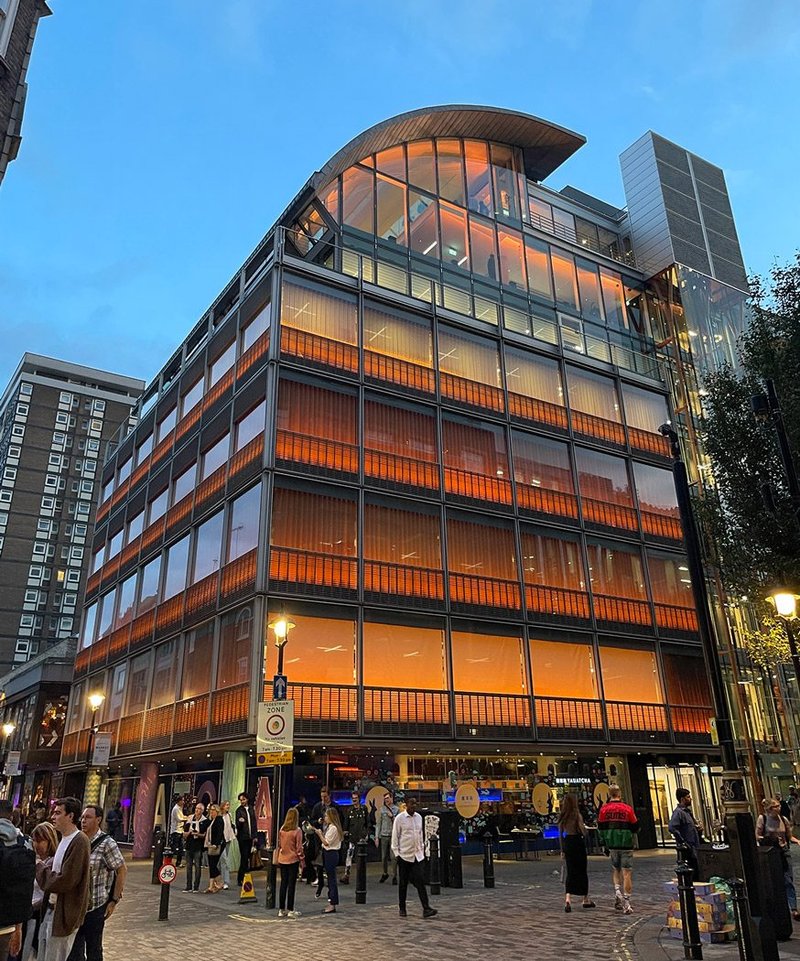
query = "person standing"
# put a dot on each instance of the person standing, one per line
(683, 827)
(17, 869)
(194, 835)
(331, 838)
(572, 839)
(357, 829)
(617, 825)
(228, 836)
(774, 830)
(408, 847)
(45, 844)
(290, 859)
(246, 835)
(383, 835)
(114, 822)
(65, 884)
(214, 843)
(107, 874)
(176, 820)
(318, 822)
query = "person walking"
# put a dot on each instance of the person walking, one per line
(683, 827)
(246, 835)
(383, 836)
(107, 875)
(194, 837)
(114, 822)
(228, 836)
(408, 847)
(331, 838)
(617, 825)
(357, 829)
(176, 822)
(17, 869)
(774, 830)
(572, 839)
(65, 884)
(290, 860)
(214, 843)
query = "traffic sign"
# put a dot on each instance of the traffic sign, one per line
(279, 687)
(167, 874)
(275, 734)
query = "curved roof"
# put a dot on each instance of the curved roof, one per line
(545, 146)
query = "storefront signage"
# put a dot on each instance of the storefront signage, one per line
(275, 733)
(468, 802)
(600, 795)
(543, 799)
(484, 794)
(101, 748)
(11, 768)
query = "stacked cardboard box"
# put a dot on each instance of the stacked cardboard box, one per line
(712, 913)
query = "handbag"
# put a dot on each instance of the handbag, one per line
(256, 864)
(215, 850)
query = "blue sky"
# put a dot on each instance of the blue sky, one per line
(162, 138)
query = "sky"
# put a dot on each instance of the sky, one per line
(162, 138)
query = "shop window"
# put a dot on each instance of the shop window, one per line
(87, 630)
(537, 255)
(256, 327)
(397, 656)
(451, 171)
(484, 249)
(244, 522)
(235, 647)
(488, 663)
(566, 283)
(563, 669)
(479, 184)
(176, 567)
(391, 203)
(612, 296)
(424, 224)
(198, 651)
(250, 426)
(357, 200)
(320, 312)
(512, 258)
(392, 162)
(149, 594)
(163, 691)
(421, 165)
(591, 301)
(630, 675)
(207, 548)
(138, 682)
(454, 236)
(214, 457)
(126, 602)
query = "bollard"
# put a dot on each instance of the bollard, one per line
(361, 871)
(272, 878)
(158, 856)
(692, 948)
(163, 904)
(454, 864)
(436, 873)
(741, 914)
(488, 861)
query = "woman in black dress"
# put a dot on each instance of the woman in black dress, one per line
(572, 837)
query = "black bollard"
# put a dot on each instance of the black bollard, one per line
(692, 948)
(741, 914)
(159, 842)
(454, 864)
(272, 881)
(163, 904)
(361, 871)
(436, 868)
(488, 861)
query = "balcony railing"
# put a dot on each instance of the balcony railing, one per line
(540, 501)
(558, 604)
(396, 470)
(589, 425)
(561, 718)
(301, 572)
(317, 351)
(470, 393)
(410, 376)
(606, 514)
(484, 593)
(542, 412)
(621, 612)
(410, 713)
(482, 715)
(467, 486)
(333, 457)
(420, 587)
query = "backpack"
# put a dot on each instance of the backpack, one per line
(17, 872)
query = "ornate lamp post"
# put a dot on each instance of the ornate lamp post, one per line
(95, 700)
(785, 604)
(8, 729)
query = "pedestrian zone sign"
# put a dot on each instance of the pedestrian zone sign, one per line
(275, 733)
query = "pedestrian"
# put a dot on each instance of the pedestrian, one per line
(617, 825)
(246, 835)
(17, 870)
(290, 861)
(318, 823)
(331, 838)
(408, 847)
(383, 836)
(784, 807)
(357, 830)
(176, 821)
(114, 822)
(684, 828)
(774, 830)
(228, 837)
(572, 839)
(213, 845)
(194, 838)
(45, 843)
(107, 874)
(68, 879)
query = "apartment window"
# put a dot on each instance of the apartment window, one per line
(244, 523)
(149, 586)
(10, 473)
(23, 388)
(235, 647)
(98, 404)
(198, 650)
(18, 430)
(192, 396)
(215, 457)
(208, 548)
(65, 398)
(22, 410)
(62, 420)
(5, 497)
(73, 577)
(176, 568)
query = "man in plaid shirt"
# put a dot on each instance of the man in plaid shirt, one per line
(107, 872)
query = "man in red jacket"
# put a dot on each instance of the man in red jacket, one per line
(617, 825)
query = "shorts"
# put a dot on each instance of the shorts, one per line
(621, 860)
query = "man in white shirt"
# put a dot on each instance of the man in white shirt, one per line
(408, 847)
(176, 819)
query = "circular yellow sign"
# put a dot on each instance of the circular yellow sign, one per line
(467, 801)
(541, 799)
(600, 794)
(375, 794)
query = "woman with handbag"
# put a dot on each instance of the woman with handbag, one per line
(215, 841)
(331, 839)
(572, 838)
(288, 856)
(774, 831)
(228, 837)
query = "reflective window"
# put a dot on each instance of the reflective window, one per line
(479, 184)
(149, 586)
(474, 448)
(655, 488)
(566, 284)
(541, 463)
(551, 561)
(541, 213)
(593, 394)
(616, 571)
(114, 545)
(215, 457)
(603, 477)
(222, 364)
(157, 506)
(183, 485)
(357, 208)
(591, 302)
(192, 396)
(537, 255)
(669, 579)
(397, 656)
(117, 693)
(563, 670)
(138, 682)
(484, 251)
(422, 217)
(198, 651)
(126, 602)
(421, 166)
(106, 618)
(250, 426)
(166, 425)
(391, 205)
(256, 327)
(451, 171)
(506, 185)
(124, 471)
(135, 527)
(392, 162)
(163, 691)
(644, 409)
(614, 301)
(144, 449)
(244, 523)
(488, 663)
(207, 548)
(235, 647)
(564, 223)
(87, 630)
(175, 578)
(512, 258)
(630, 675)
(454, 236)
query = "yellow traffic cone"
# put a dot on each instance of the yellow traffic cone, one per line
(248, 892)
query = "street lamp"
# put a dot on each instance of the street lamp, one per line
(95, 700)
(785, 604)
(8, 729)
(281, 626)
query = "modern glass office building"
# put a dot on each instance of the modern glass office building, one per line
(422, 420)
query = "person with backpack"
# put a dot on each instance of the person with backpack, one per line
(107, 874)
(17, 873)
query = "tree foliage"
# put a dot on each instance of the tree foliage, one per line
(756, 550)
(769, 646)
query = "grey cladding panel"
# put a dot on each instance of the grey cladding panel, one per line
(710, 197)
(681, 204)
(729, 273)
(718, 222)
(686, 230)
(674, 155)
(724, 247)
(708, 174)
(694, 257)
(676, 179)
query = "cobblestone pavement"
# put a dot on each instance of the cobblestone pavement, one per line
(523, 916)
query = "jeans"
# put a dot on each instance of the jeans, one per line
(194, 868)
(412, 871)
(331, 861)
(387, 856)
(176, 846)
(52, 948)
(88, 944)
(224, 867)
(245, 846)
(288, 885)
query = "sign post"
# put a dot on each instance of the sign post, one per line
(274, 748)
(101, 749)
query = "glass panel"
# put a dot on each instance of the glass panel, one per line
(635, 308)
(586, 233)
(421, 165)
(357, 200)
(397, 656)
(564, 223)
(454, 236)
(192, 396)
(422, 216)
(468, 357)
(404, 336)
(148, 586)
(216, 456)
(138, 683)
(184, 483)
(144, 449)
(593, 394)
(106, 618)
(481, 550)
(250, 426)
(474, 447)
(644, 409)
(630, 676)
(566, 284)
(603, 477)
(537, 255)
(126, 602)
(207, 548)
(117, 694)
(535, 377)
(308, 411)
(392, 211)
(321, 650)
(551, 561)
(177, 560)
(235, 647)
(612, 295)
(616, 571)
(222, 364)
(591, 302)
(256, 327)
(451, 171)
(158, 506)
(655, 488)
(487, 663)
(244, 522)
(87, 630)
(505, 182)
(166, 425)
(479, 185)
(404, 537)
(320, 311)
(114, 545)
(135, 527)
(164, 675)
(512, 258)
(392, 162)
(484, 252)
(540, 462)
(198, 651)
(316, 523)
(563, 670)
(541, 214)
(669, 579)
(687, 680)
(400, 430)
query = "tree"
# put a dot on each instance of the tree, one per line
(756, 550)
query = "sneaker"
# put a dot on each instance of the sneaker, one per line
(617, 903)
(383, 877)
(403, 913)
(429, 912)
(627, 909)
(394, 880)
(293, 914)
(283, 914)
(226, 887)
